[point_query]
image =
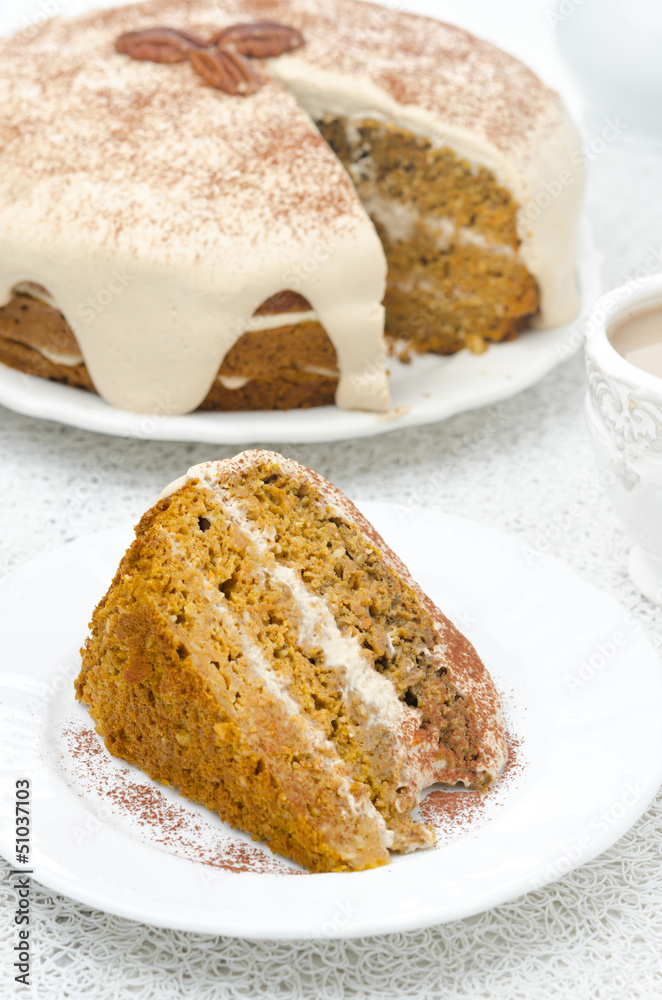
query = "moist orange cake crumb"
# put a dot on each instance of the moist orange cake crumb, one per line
(262, 650)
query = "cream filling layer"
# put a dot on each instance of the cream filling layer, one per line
(67, 360)
(227, 381)
(318, 370)
(274, 321)
(256, 660)
(239, 381)
(400, 222)
(345, 654)
(318, 628)
(233, 382)
(474, 684)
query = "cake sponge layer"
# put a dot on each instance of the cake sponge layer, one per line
(263, 651)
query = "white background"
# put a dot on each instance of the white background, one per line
(596, 933)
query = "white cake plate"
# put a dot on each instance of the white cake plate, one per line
(582, 690)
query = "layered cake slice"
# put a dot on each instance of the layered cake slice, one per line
(173, 240)
(262, 650)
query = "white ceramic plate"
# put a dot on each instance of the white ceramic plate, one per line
(429, 389)
(582, 690)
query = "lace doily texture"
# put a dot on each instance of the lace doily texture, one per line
(595, 934)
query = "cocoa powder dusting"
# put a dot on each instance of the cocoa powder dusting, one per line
(76, 110)
(132, 802)
(166, 825)
(452, 813)
(189, 171)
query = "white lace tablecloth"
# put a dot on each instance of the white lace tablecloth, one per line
(597, 933)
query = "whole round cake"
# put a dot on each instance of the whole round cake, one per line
(228, 204)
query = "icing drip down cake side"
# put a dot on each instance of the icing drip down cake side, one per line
(173, 246)
(263, 651)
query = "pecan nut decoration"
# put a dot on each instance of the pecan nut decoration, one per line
(261, 40)
(226, 70)
(163, 45)
(224, 61)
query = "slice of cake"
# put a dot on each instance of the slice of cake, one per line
(173, 245)
(262, 650)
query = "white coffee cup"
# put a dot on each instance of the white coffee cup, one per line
(624, 409)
